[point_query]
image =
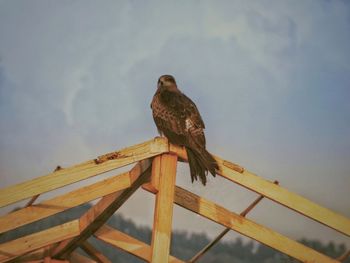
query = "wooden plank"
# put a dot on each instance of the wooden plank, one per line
(289, 199)
(225, 231)
(66, 176)
(278, 194)
(33, 256)
(63, 202)
(97, 215)
(163, 213)
(344, 257)
(154, 182)
(79, 258)
(20, 246)
(127, 243)
(94, 253)
(247, 227)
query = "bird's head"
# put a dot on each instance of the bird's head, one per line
(167, 82)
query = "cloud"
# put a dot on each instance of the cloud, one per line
(270, 79)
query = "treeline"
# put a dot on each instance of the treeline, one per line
(184, 244)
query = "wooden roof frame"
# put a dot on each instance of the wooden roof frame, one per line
(155, 171)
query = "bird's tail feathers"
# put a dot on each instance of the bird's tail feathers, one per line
(200, 162)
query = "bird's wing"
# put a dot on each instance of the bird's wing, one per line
(182, 117)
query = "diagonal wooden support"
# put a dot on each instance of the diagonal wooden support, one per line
(247, 227)
(97, 215)
(127, 243)
(94, 253)
(76, 173)
(32, 200)
(163, 212)
(20, 246)
(224, 232)
(344, 257)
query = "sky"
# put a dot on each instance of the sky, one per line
(270, 78)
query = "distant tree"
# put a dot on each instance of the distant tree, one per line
(184, 244)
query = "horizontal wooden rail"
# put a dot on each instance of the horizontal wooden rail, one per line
(127, 243)
(63, 202)
(20, 246)
(277, 193)
(66, 176)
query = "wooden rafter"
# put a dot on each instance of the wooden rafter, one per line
(20, 246)
(278, 194)
(58, 243)
(226, 230)
(247, 227)
(82, 171)
(63, 202)
(38, 254)
(127, 243)
(97, 215)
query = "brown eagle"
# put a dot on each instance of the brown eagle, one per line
(177, 118)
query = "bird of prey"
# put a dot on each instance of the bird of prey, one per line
(178, 119)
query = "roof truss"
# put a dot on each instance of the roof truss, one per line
(155, 171)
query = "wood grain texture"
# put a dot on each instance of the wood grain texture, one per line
(94, 253)
(277, 193)
(127, 243)
(289, 199)
(154, 181)
(81, 171)
(97, 215)
(63, 202)
(248, 228)
(163, 214)
(20, 246)
(79, 258)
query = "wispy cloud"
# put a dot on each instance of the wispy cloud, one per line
(270, 78)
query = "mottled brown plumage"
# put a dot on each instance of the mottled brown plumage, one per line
(177, 118)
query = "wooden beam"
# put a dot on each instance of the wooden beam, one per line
(35, 197)
(289, 199)
(63, 202)
(20, 246)
(163, 213)
(226, 230)
(66, 176)
(127, 243)
(35, 255)
(344, 257)
(154, 182)
(79, 258)
(94, 253)
(32, 200)
(277, 193)
(247, 227)
(97, 215)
